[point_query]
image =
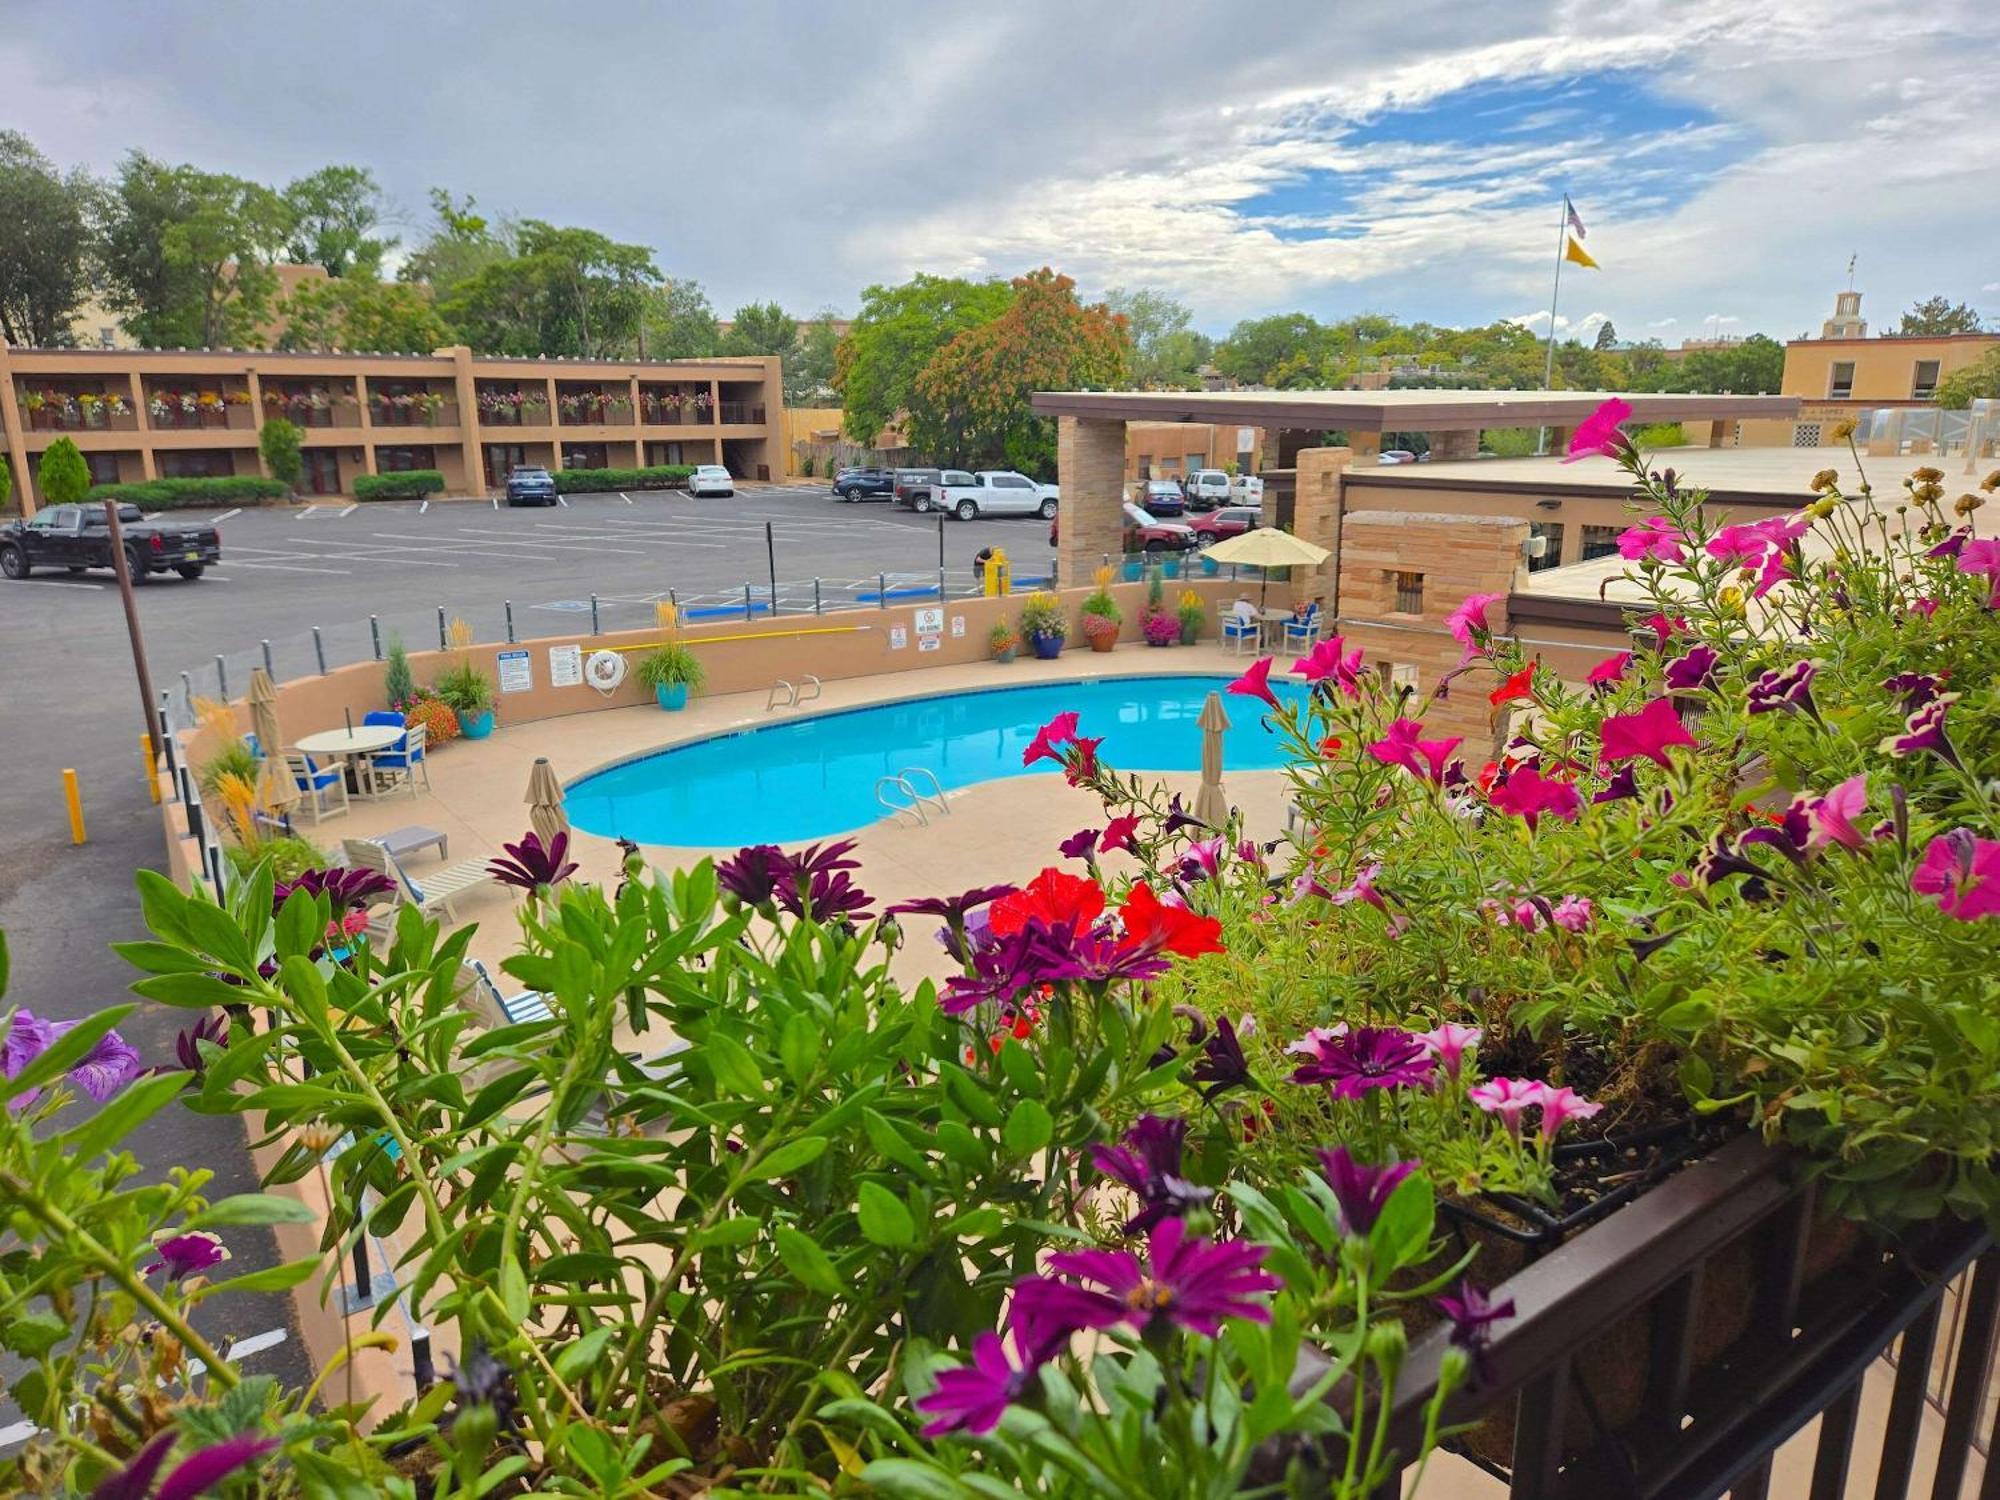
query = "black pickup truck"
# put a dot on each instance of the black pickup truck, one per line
(78, 537)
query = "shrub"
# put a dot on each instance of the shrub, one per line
(592, 481)
(1100, 605)
(1661, 435)
(1002, 638)
(171, 494)
(1161, 628)
(278, 442)
(807, 465)
(289, 856)
(397, 682)
(6, 484)
(668, 665)
(440, 723)
(1043, 615)
(413, 484)
(1193, 613)
(235, 758)
(62, 476)
(463, 688)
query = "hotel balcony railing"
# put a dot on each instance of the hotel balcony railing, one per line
(742, 412)
(525, 415)
(76, 417)
(172, 416)
(308, 414)
(687, 414)
(417, 414)
(593, 413)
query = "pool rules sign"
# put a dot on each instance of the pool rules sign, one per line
(930, 629)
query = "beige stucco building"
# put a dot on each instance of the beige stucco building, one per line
(150, 413)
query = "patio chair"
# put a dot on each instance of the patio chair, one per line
(1304, 632)
(404, 761)
(1240, 633)
(324, 787)
(439, 887)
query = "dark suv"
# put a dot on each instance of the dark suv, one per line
(529, 484)
(864, 484)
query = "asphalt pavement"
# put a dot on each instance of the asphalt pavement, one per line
(68, 696)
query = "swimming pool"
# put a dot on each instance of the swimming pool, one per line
(811, 777)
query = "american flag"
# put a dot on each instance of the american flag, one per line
(1575, 224)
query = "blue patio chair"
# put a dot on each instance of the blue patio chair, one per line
(1305, 630)
(1237, 633)
(256, 748)
(405, 759)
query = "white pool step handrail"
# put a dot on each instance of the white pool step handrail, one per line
(914, 807)
(784, 695)
(913, 777)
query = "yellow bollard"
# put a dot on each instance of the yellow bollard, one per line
(75, 799)
(152, 766)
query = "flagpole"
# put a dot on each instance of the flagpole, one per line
(1549, 360)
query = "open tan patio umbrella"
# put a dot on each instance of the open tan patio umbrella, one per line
(1210, 805)
(276, 790)
(1268, 548)
(545, 801)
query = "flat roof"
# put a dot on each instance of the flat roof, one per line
(1774, 475)
(1399, 411)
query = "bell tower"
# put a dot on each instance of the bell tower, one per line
(1846, 322)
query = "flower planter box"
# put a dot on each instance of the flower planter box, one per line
(1671, 1348)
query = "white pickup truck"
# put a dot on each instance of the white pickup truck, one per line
(996, 492)
(1208, 488)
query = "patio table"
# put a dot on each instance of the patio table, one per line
(351, 746)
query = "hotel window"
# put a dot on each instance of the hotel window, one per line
(1598, 541)
(103, 467)
(1552, 554)
(1409, 592)
(1840, 382)
(404, 460)
(1924, 385)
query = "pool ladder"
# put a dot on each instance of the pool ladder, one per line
(784, 695)
(910, 782)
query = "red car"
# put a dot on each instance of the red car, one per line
(1144, 534)
(1231, 520)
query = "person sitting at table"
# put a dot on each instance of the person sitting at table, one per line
(1244, 610)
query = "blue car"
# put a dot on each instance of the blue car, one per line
(530, 485)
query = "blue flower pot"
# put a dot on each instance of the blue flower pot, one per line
(672, 696)
(1171, 568)
(1132, 569)
(1210, 567)
(476, 726)
(1048, 647)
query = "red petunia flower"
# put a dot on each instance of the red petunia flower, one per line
(1053, 898)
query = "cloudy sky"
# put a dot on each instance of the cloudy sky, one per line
(1406, 156)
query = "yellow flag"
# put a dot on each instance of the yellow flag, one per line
(1577, 255)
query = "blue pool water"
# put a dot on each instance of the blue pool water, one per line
(811, 777)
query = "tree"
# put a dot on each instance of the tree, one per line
(335, 212)
(1167, 354)
(362, 314)
(1754, 366)
(1935, 316)
(62, 476)
(1607, 335)
(896, 334)
(973, 398)
(1281, 350)
(676, 322)
(761, 328)
(1980, 381)
(185, 255)
(6, 483)
(567, 292)
(278, 442)
(44, 244)
(461, 246)
(809, 371)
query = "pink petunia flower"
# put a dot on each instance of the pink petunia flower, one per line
(1330, 659)
(1962, 871)
(1424, 759)
(1118, 833)
(1045, 745)
(1362, 888)
(1470, 618)
(1655, 537)
(1509, 1099)
(1599, 432)
(1983, 558)
(1256, 683)
(1830, 819)
(1650, 732)
(1449, 1043)
(1527, 794)
(1574, 913)
(1611, 669)
(1559, 1107)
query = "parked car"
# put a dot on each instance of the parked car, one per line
(864, 484)
(1231, 520)
(1209, 488)
(76, 537)
(530, 484)
(1147, 533)
(711, 479)
(1162, 497)
(996, 492)
(1395, 456)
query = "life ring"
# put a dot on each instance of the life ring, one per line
(604, 670)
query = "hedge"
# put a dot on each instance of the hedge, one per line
(411, 484)
(168, 494)
(658, 477)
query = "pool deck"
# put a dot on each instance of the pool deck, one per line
(997, 831)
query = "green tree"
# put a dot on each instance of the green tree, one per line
(461, 245)
(972, 401)
(44, 245)
(1167, 353)
(896, 334)
(567, 292)
(676, 322)
(1607, 335)
(278, 442)
(809, 369)
(1936, 316)
(362, 314)
(1755, 366)
(62, 476)
(6, 484)
(335, 213)
(1980, 381)
(761, 328)
(1281, 350)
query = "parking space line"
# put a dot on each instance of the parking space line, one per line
(291, 568)
(306, 512)
(440, 544)
(424, 509)
(217, 521)
(349, 511)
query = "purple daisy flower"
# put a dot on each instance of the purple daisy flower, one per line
(972, 1398)
(1149, 1163)
(348, 888)
(1185, 1282)
(192, 1476)
(1368, 1057)
(1361, 1190)
(531, 865)
(1222, 1065)
(752, 874)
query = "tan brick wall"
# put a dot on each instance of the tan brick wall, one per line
(1090, 470)
(1316, 517)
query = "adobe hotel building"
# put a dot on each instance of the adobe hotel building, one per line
(157, 414)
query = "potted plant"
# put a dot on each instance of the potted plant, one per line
(672, 671)
(1101, 614)
(1002, 641)
(1193, 615)
(468, 692)
(1045, 625)
(1135, 564)
(1161, 629)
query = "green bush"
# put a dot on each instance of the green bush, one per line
(62, 476)
(278, 442)
(167, 494)
(413, 484)
(1661, 435)
(658, 477)
(668, 665)
(290, 856)
(464, 689)
(6, 484)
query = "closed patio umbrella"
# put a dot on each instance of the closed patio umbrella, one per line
(1210, 805)
(276, 789)
(1268, 548)
(545, 801)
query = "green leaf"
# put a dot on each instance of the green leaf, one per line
(276, 1278)
(1029, 1127)
(888, 1140)
(116, 1119)
(299, 924)
(188, 991)
(884, 1219)
(513, 1290)
(809, 1264)
(740, 1230)
(581, 1355)
(252, 1208)
(970, 1095)
(793, 1155)
(300, 978)
(1688, 1017)
(1018, 1063)
(31, 1335)
(961, 1145)
(159, 958)
(799, 1046)
(908, 1476)
(735, 1070)
(1403, 1231)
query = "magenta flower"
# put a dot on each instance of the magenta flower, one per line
(1656, 537)
(1368, 1058)
(1619, 787)
(1559, 1107)
(1926, 606)
(1256, 683)
(1573, 914)
(1422, 758)
(347, 888)
(953, 909)
(1449, 1043)
(1782, 688)
(1599, 433)
(1468, 621)
(1962, 872)
(1361, 1190)
(1611, 669)
(752, 875)
(213, 1029)
(188, 1253)
(1914, 688)
(1692, 670)
(530, 866)
(1830, 819)
(1149, 1163)
(1186, 1282)
(1527, 794)
(1079, 845)
(1745, 545)
(1362, 888)
(1982, 558)
(1924, 730)
(1203, 859)
(1507, 1098)
(1222, 1065)
(1118, 834)
(1329, 660)
(973, 1398)
(1663, 628)
(1472, 1318)
(1952, 545)
(1059, 731)
(1650, 732)
(1305, 885)
(192, 1476)
(1309, 1044)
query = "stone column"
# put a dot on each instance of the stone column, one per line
(1460, 443)
(17, 435)
(1316, 518)
(1366, 445)
(471, 446)
(1090, 471)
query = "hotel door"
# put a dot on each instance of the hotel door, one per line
(322, 471)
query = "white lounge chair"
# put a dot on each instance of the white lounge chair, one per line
(322, 789)
(434, 895)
